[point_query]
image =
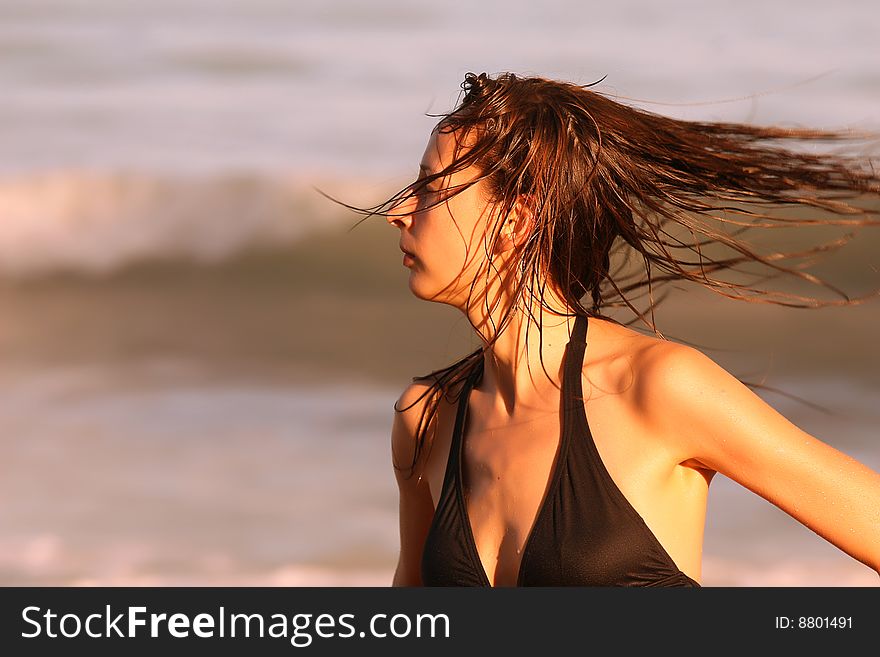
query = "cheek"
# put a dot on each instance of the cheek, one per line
(451, 245)
(451, 258)
(440, 274)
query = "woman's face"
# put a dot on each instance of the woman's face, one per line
(444, 245)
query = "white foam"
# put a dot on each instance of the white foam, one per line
(95, 222)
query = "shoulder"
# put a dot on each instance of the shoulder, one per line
(666, 370)
(675, 384)
(709, 415)
(410, 412)
(412, 403)
(417, 411)
(679, 394)
(647, 367)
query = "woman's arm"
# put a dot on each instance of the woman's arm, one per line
(416, 505)
(722, 424)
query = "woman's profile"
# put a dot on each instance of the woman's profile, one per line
(570, 449)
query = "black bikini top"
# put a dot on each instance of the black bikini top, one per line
(586, 533)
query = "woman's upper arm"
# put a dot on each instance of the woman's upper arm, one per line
(719, 422)
(416, 506)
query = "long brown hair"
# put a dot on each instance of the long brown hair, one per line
(605, 180)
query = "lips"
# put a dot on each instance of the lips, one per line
(408, 258)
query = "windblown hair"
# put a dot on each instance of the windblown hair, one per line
(605, 179)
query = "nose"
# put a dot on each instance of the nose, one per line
(400, 215)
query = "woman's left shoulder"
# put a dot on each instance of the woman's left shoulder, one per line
(663, 367)
(711, 416)
(691, 401)
(652, 371)
(640, 365)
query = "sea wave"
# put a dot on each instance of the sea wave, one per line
(98, 221)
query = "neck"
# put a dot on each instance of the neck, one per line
(513, 372)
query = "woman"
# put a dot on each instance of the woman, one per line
(570, 449)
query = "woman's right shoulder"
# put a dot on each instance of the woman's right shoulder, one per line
(410, 415)
(437, 386)
(419, 408)
(416, 414)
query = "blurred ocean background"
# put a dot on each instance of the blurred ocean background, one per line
(199, 358)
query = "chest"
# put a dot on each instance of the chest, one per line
(508, 471)
(506, 464)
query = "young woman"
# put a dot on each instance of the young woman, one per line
(570, 449)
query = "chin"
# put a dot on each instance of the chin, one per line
(419, 290)
(423, 289)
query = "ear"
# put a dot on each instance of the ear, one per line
(518, 225)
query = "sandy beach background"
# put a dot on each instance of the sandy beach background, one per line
(199, 358)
